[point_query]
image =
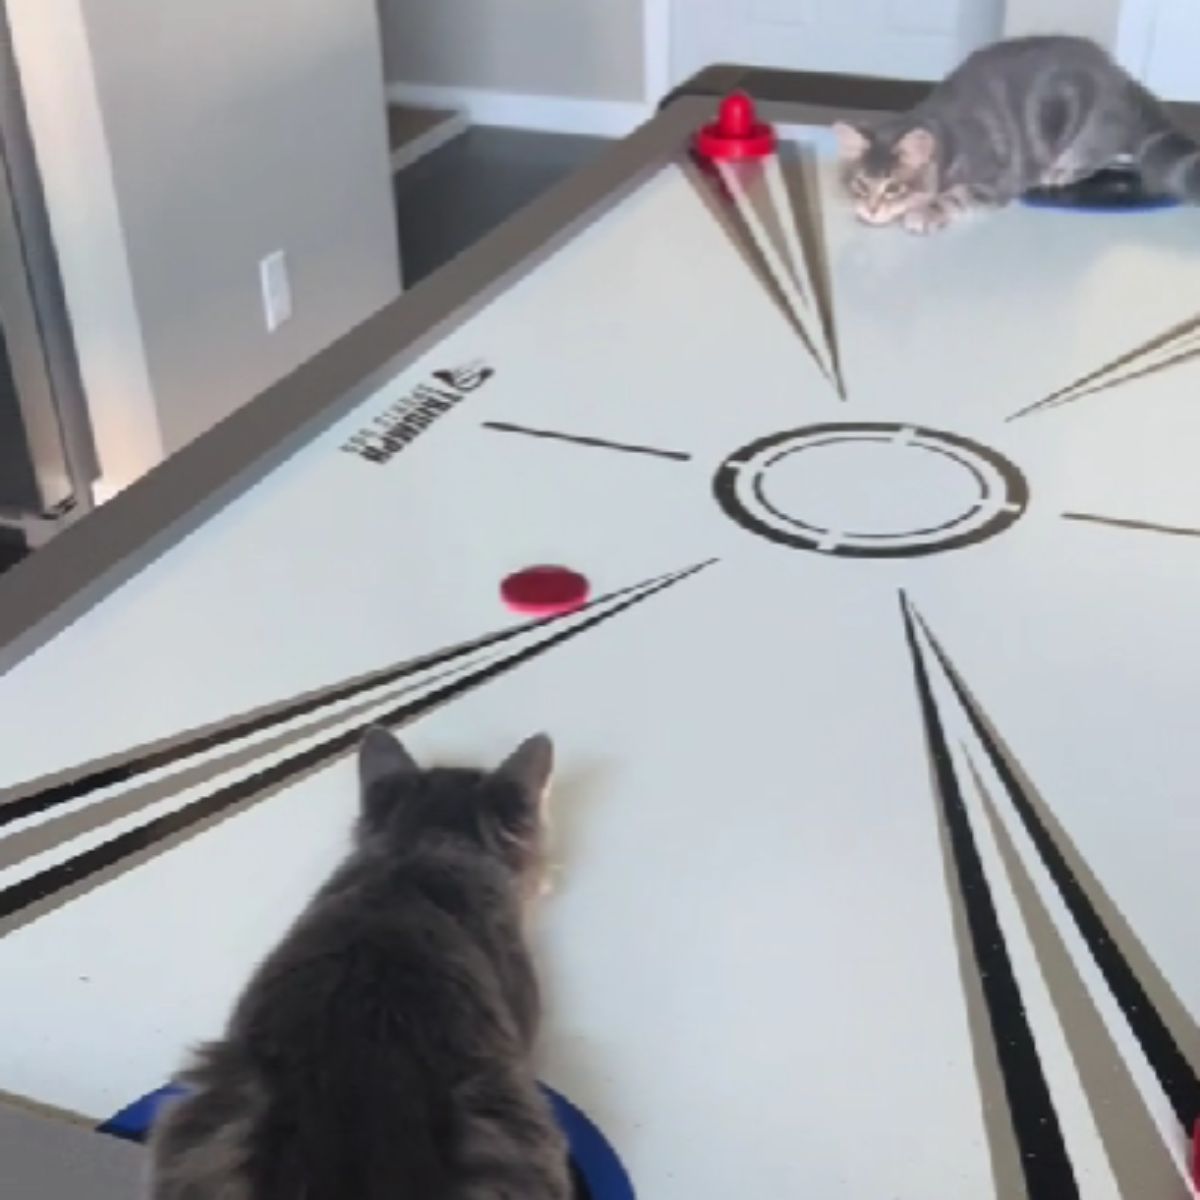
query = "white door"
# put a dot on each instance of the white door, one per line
(915, 39)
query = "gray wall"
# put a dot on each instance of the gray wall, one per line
(181, 143)
(578, 48)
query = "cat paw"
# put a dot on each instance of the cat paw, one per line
(926, 220)
(1061, 177)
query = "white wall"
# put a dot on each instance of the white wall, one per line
(591, 49)
(180, 143)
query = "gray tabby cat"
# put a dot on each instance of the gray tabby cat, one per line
(1029, 112)
(382, 1050)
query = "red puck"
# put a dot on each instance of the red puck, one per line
(737, 133)
(544, 591)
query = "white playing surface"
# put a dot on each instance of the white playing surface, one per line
(750, 959)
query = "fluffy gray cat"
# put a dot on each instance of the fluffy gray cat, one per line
(382, 1050)
(1024, 113)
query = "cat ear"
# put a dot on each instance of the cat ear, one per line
(915, 149)
(381, 757)
(530, 765)
(852, 141)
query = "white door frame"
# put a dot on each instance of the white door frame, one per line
(656, 49)
(1137, 23)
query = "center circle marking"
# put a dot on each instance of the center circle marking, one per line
(871, 490)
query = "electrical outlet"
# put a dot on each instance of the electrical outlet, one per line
(276, 289)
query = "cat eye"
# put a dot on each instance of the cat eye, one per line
(894, 189)
(859, 186)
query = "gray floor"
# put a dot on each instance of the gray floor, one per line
(12, 548)
(455, 195)
(46, 1158)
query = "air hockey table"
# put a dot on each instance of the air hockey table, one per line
(879, 794)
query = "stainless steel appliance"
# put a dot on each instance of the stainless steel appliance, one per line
(47, 458)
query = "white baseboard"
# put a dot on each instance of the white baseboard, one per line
(432, 139)
(551, 114)
(103, 490)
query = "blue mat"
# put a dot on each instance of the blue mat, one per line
(594, 1159)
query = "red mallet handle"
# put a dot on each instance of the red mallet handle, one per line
(737, 133)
